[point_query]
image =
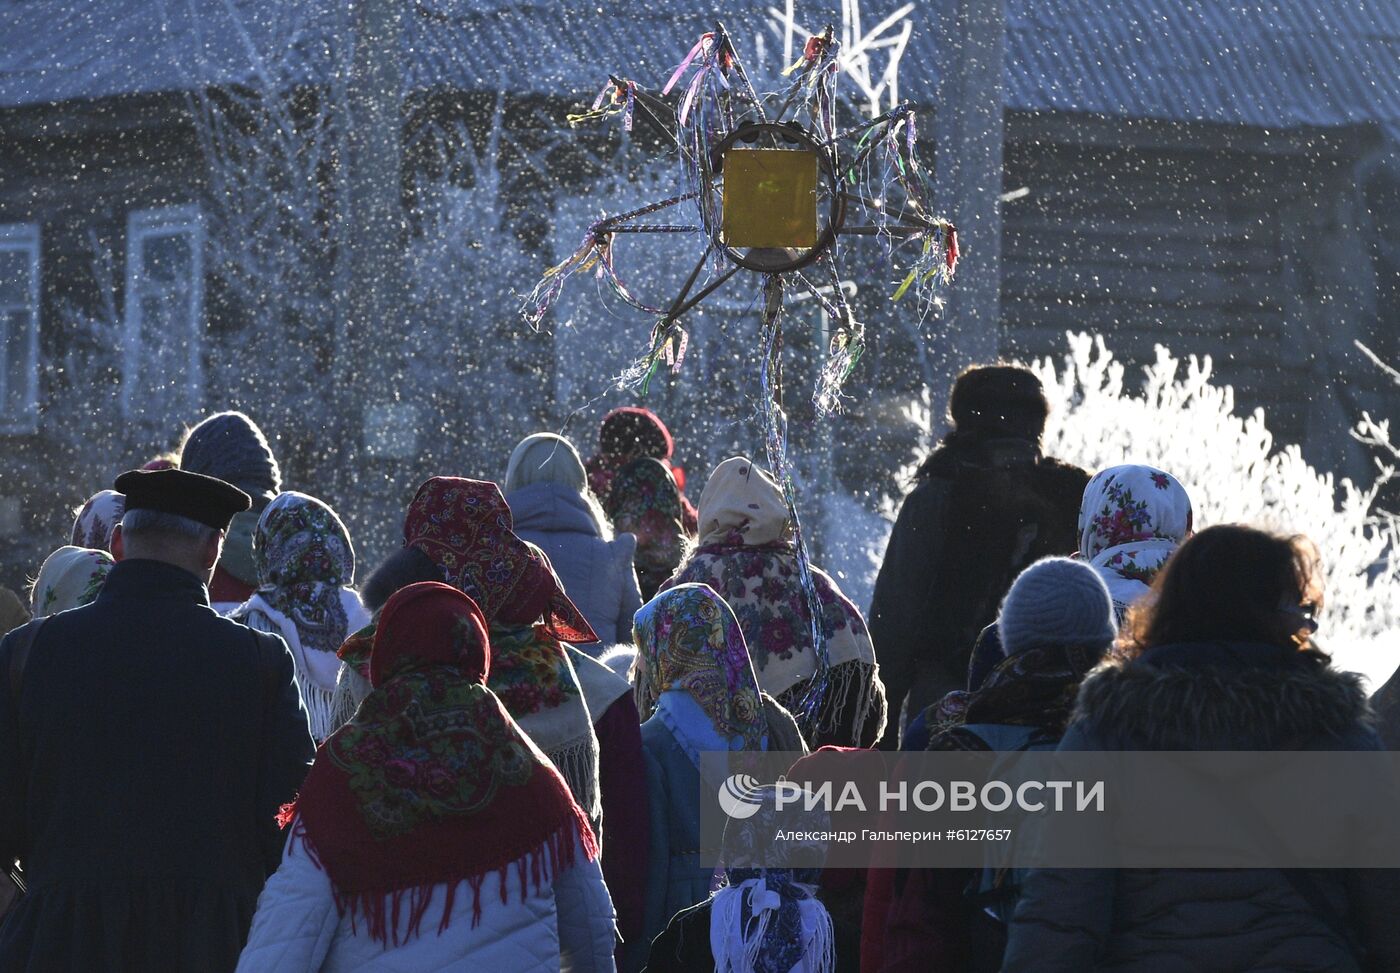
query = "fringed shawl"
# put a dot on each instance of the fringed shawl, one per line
(747, 557)
(305, 564)
(432, 783)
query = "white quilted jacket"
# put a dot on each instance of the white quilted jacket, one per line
(567, 926)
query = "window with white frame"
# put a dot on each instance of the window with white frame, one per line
(163, 375)
(19, 327)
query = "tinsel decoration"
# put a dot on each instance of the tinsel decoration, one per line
(871, 184)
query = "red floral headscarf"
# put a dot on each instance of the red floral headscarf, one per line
(432, 782)
(465, 527)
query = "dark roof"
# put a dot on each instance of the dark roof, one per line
(1266, 63)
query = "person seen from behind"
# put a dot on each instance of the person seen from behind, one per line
(986, 504)
(1056, 624)
(431, 833)
(748, 556)
(552, 505)
(1221, 656)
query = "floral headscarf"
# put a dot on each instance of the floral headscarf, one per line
(93, 526)
(70, 578)
(465, 527)
(304, 564)
(746, 556)
(304, 558)
(1131, 520)
(432, 782)
(767, 918)
(689, 642)
(645, 501)
(631, 433)
(625, 434)
(742, 505)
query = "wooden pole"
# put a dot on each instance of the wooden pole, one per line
(969, 132)
(377, 428)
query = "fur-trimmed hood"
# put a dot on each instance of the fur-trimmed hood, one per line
(1225, 697)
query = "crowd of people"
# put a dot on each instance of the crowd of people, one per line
(223, 747)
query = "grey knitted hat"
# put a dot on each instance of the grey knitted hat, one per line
(230, 446)
(1056, 602)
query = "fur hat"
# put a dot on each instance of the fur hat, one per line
(999, 401)
(229, 446)
(1056, 602)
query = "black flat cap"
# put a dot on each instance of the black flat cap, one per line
(200, 498)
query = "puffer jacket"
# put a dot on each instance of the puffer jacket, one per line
(598, 575)
(1211, 697)
(564, 924)
(675, 878)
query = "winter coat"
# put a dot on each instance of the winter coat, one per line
(1385, 702)
(298, 929)
(983, 511)
(675, 878)
(933, 923)
(622, 788)
(1195, 697)
(140, 778)
(598, 575)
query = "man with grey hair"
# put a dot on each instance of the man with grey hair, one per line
(146, 745)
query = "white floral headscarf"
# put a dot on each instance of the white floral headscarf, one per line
(70, 578)
(1131, 520)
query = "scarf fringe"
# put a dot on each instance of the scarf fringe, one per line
(577, 763)
(322, 706)
(743, 948)
(850, 694)
(382, 913)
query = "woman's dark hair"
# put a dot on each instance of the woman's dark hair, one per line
(1230, 584)
(404, 567)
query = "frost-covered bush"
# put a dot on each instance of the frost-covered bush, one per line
(1236, 473)
(1180, 420)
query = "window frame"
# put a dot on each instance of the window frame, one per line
(141, 225)
(25, 237)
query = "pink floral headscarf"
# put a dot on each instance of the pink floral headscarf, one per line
(94, 524)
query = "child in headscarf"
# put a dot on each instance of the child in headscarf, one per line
(697, 691)
(747, 555)
(95, 521)
(1132, 519)
(431, 833)
(71, 577)
(767, 916)
(305, 565)
(630, 433)
(645, 501)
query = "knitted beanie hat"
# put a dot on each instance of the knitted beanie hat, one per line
(231, 447)
(999, 401)
(1056, 602)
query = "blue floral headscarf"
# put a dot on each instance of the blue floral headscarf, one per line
(689, 642)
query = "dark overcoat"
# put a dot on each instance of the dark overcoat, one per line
(142, 763)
